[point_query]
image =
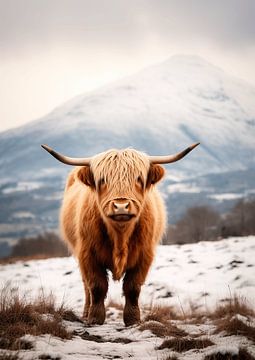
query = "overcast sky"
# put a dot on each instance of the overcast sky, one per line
(52, 50)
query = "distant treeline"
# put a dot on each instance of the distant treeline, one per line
(203, 223)
(47, 244)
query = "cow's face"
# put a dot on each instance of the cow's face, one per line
(121, 181)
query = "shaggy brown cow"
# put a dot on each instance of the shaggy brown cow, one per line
(112, 217)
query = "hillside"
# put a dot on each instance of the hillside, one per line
(159, 110)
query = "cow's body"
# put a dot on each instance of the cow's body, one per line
(112, 217)
(125, 248)
(83, 227)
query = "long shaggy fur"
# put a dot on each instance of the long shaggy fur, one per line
(101, 244)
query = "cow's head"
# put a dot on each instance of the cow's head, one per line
(121, 179)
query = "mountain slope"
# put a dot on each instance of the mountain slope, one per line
(159, 110)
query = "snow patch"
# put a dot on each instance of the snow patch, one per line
(226, 196)
(23, 186)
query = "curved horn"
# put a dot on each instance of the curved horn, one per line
(171, 158)
(67, 160)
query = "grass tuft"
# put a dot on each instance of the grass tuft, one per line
(171, 357)
(232, 307)
(235, 326)
(242, 355)
(115, 305)
(162, 330)
(19, 317)
(9, 356)
(157, 320)
(161, 314)
(185, 344)
(48, 357)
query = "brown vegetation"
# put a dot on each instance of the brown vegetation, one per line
(198, 224)
(41, 246)
(242, 355)
(159, 320)
(162, 330)
(19, 317)
(230, 308)
(48, 357)
(85, 335)
(161, 313)
(235, 326)
(185, 344)
(233, 306)
(203, 223)
(9, 356)
(115, 305)
(240, 221)
(171, 357)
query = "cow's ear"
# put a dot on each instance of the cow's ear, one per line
(85, 175)
(155, 174)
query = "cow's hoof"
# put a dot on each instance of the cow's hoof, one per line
(131, 315)
(96, 315)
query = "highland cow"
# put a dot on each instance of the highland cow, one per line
(112, 217)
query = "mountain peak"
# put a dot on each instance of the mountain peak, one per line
(159, 110)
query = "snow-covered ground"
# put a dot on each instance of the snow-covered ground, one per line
(204, 274)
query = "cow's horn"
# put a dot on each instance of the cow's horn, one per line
(66, 159)
(171, 158)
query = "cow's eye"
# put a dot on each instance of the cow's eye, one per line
(101, 182)
(140, 181)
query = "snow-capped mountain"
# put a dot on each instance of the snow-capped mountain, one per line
(159, 110)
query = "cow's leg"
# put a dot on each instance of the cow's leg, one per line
(97, 308)
(95, 290)
(132, 283)
(87, 301)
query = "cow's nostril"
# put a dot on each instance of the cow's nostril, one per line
(120, 207)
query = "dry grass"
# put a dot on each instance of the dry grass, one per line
(8, 356)
(232, 307)
(162, 313)
(115, 305)
(162, 330)
(48, 357)
(19, 317)
(185, 344)
(171, 357)
(99, 339)
(226, 321)
(235, 326)
(242, 355)
(157, 320)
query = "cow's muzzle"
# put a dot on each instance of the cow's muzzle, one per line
(122, 217)
(121, 210)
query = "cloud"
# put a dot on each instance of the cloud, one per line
(26, 25)
(228, 23)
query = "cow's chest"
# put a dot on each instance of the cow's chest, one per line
(109, 249)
